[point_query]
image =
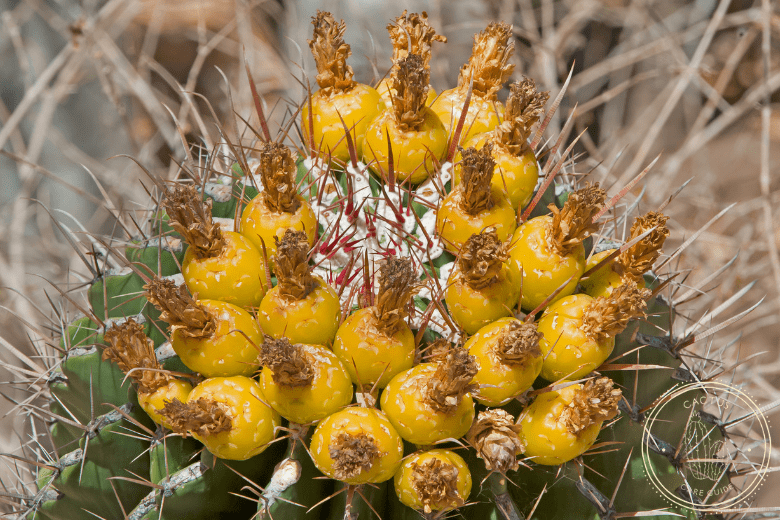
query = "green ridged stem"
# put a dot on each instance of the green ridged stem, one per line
(117, 294)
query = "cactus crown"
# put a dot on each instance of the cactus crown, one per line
(191, 218)
(639, 258)
(436, 483)
(203, 417)
(295, 280)
(277, 173)
(496, 437)
(287, 362)
(489, 62)
(518, 343)
(410, 83)
(608, 316)
(595, 401)
(180, 310)
(412, 34)
(331, 53)
(481, 259)
(477, 167)
(451, 381)
(353, 454)
(129, 348)
(574, 223)
(397, 284)
(524, 107)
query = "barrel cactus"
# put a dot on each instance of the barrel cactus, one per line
(402, 315)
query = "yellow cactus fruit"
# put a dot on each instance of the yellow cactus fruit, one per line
(474, 205)
(218, 265)
(211, 337)
(432, 401)
(409, 34)
(516, 172)
(579, 331)
(302, 307)
(279, 207)
(304, 383)
(481, 287)
(434, 480)
(375, 343)
(508, 359)
(561, 425)
(409, 129)
(228, 415)
(357, 445)
(547, 251)
(339, 97)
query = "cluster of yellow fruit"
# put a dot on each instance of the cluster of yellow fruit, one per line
(228, 320)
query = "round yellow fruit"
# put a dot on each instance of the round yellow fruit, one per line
(409, 493)
(455, 226)
(227, 352)
(569, 352)
(416, 152)
(368, 354)
(403, 400)
(253, 422)
(329, 391)
(472, 308)
(357, 107)
(378, 439)
(237, 275)
(313, 320)
(483, 115)
(543, 270)
(500, 382)
(548, 440)
(260, 225)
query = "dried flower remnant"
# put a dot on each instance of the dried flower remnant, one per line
(436, 483)
(574, 223)
(638, 259)
(596, 401)
(451, 381)
(130, 349)
(496, 437)
(410, 90)
(397, 284)
(415, 27)
(519, 343)
(203, 417)
(277, 174)
(524, 108)
(608, 316)
(481, 259)
(190, 216)
(330, 54)
(352, 455)
(489, 65)
(287, 362)
(293, 273)
(179, 309)
(477, 167)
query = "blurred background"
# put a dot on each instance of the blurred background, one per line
(695, 81)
